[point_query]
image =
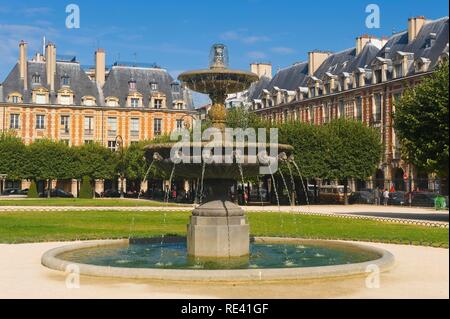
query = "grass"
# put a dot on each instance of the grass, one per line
(78, 202)
(26, 227)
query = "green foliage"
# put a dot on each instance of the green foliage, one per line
(309, 147)
(49, 160)
(95, 161)
(86, 190)
(32, 191)
(135, 163)
(12, 156)
(240, 117)
(421, 122)
(338, 150)
(353, 150)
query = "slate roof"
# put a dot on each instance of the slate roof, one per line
(290, 78)
(116, 83)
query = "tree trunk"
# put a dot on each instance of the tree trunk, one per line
(345, 191)
(49, 188)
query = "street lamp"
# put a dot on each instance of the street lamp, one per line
(119, 147)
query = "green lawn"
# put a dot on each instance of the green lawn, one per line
(77, 202)
(21, 227)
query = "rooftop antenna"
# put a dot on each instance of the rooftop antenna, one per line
(43, 46)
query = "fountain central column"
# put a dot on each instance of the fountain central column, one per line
(218, 228)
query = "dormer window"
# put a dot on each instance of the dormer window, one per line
(112, 101)
(134, 102)
(431, 40)
(157, 103)
(36, 78)
(132, 85)
(15, 98)
(65, 80)
(398, 69)
(154, 86)
(175, 87)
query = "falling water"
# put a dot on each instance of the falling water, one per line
(166, 199)
(285, 185)
(292, 180)
(201, 182)
(303, 182)
(146, 175)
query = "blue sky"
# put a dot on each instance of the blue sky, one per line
(177, 34)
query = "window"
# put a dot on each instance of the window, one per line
(134, 102)
(359, 108)
(349, 111)
(378, 76)
(65, 80)
(40, 122)
(157, 103)
(398, 70)
(15, 99)
(88, 125)
(341, 108)
(65, 124)
(179, 106)
(378, 105)
(14, 121)
(134, 127)
(112, 126)
(112, 146)
(36, 78)
(180, 124)
(41, 99)
(64, 99)
(89, 102)
(326, 113)
(157, 126)
(132, 85)
(154, 86)
(311, 114)
(312, 92)
(112, 102)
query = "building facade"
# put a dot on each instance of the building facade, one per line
(359, 83)
(50, 96)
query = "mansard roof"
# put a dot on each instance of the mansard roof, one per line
(336, 63)
(80, 83)
(290, 78)
(116, 84)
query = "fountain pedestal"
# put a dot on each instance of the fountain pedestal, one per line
(218, 228)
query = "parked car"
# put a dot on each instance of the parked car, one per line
(111, 193)
(57, 192)
(14, 191)
(397, 198)
(361, 197)
(423, 199)
(333, 194)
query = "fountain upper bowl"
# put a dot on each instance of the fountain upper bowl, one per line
(211, 81)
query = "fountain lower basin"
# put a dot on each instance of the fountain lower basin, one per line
(270, 259)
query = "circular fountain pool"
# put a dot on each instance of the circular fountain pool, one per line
(269, 259)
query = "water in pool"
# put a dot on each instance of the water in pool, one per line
(262, 255)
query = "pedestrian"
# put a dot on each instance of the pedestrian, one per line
(386, 196)
(376, 196)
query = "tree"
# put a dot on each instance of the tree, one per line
(135, 163)
(86, 190)
(95, 161)
(240, 117)
(32, 191)
(421, 123)
(49, 160)
(12, 156)
(353, 150)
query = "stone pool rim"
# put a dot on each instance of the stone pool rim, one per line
(384, 263)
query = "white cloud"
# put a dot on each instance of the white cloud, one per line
(241, 36)
(257, 55)
(283, 50)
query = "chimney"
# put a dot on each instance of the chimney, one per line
(315, 60)
(361, 42)
(23, 63)
(414, 26)
(262, 69)
(100, 67)
(50, 65)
